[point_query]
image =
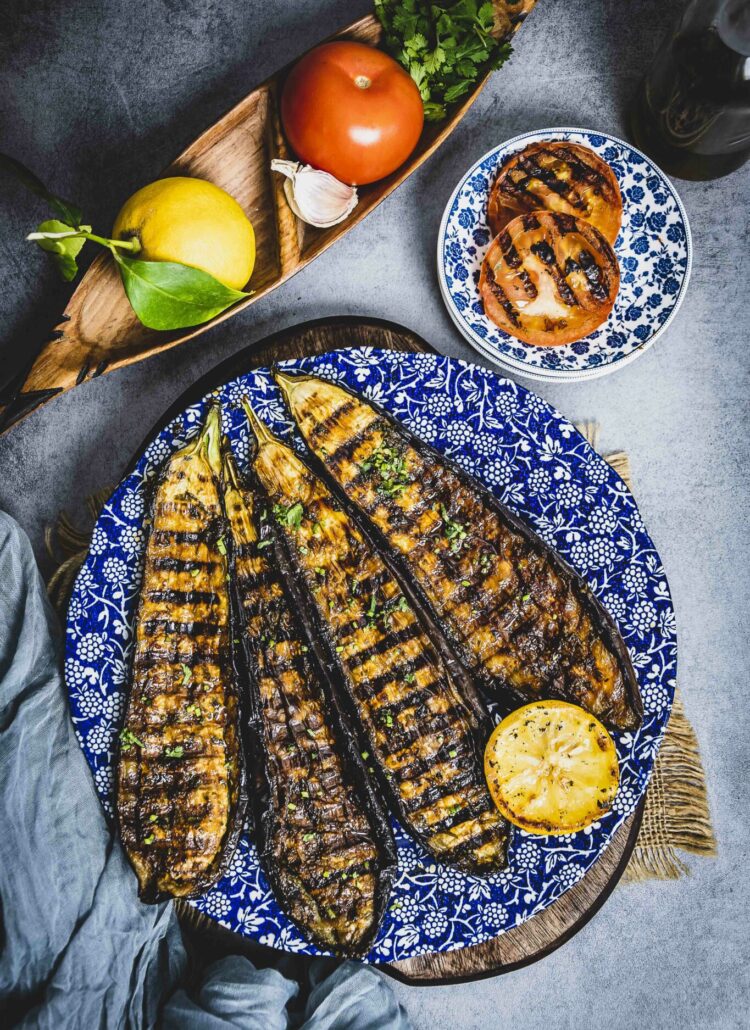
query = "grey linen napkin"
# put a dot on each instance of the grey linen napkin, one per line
(77, 947)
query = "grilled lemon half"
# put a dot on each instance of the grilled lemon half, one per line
(551, 768)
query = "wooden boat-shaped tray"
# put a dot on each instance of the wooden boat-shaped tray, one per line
(99, 331)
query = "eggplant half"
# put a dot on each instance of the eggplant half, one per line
(421, 733)
(519, 618)
(324, 839)
(180, 774)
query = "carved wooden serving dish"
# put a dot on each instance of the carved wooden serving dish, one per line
(99, 330)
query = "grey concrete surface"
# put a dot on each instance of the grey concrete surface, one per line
(98, 97)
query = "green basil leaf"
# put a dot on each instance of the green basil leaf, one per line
(64, 250)
(69, 213)
(167, 295)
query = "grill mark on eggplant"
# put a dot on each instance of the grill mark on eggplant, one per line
(390, 642)
(323, 428)
(325, 842)
(373, 687)
(181, 565)
(180, 776)
(165, 537)
(183, 597)
(174, 628)
(378, 653)
(580, 658)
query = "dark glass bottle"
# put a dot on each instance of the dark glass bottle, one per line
(692, 112)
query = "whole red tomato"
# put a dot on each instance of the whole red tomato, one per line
(351, 110)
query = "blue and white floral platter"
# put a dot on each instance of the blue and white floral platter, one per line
(543, 469)
(653, 249)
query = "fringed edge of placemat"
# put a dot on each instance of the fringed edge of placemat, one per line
(67, 547)
(676, 813)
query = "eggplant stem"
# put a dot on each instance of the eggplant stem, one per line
(288, 383)
(229, 467)
(209, 438)
(259, 429)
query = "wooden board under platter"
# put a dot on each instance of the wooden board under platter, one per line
(523, 944)
(99, 331)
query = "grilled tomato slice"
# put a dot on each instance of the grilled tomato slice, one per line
(551, 767)
(549, 278)
(562, 177)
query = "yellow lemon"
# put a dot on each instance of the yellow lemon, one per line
(551, 768)
(193, 222)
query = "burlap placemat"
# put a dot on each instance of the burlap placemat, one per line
(676, 817)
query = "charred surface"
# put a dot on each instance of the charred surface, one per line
(520, 619)
(180, 772)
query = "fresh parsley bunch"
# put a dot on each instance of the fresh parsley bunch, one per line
(445, 47)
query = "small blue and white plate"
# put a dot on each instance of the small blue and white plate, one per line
(653, 248)
(534, 461)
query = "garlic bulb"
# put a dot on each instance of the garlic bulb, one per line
(315, 196)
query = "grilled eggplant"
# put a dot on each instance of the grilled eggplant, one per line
(324, 839)
(422, 734)
(520, 619)
(180, 774)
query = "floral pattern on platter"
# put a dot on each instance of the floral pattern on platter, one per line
(653, 249)
(543, 469)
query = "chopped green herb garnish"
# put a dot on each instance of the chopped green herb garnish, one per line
(149, 839)
(398, 604)
(465, 583)
(388, 719)
(339, 649)
(452, 753)
(195, 710)
(289, 516)
(310, 734)
(128, 738)
(365, 755)
(195, 573)
(308, 837)
(320, 571)
(305, 793)
(292, 807)
(410, 677)
(174, 752)
(304, 550)
(485, 561)
(221, 545)
(304, 649)
(153, 817)
(390, 464)
(145, 700)
(317, 529)
(455, 532)
(187, 674)
(264, 543)
(526, 597)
